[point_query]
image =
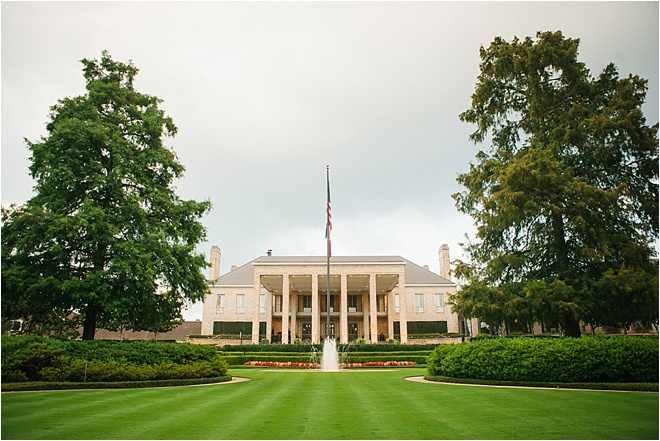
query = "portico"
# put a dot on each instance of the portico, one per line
(360, 297)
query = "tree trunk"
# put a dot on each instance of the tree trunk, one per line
(571, 325)
(91, 310)
(560, 243)
(89, 325)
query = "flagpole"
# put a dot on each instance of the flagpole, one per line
(328, 227)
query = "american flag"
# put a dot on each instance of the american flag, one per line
(328, 225)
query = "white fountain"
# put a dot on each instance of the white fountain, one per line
(330, 357)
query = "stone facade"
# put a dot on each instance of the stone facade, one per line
(280, 298)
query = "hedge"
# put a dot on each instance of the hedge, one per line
(241, 359)
(41, 385)
(306, 348)
(595, 359)
(104, 371)
(639, 387)
(35, 358)
(308, 354)
(139, 351)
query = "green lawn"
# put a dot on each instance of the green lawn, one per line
(279, 404)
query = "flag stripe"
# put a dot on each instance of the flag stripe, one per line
(328, 225)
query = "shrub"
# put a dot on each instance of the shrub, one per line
(42, 385)
(139, 352)
(586, 359)
(30, 358)
(23, 357)
(102, 371)
(307, 348)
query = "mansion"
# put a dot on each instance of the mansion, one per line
(376, 298)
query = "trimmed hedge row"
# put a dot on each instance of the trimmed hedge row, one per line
(640, 387)
(108, 371)
(35, 358)
(241, 359)
(349, 354)
(41, 385)
(568, 360)
(306, 349)
(139, 352)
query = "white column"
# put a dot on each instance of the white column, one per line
(316, 336)
(255, 308)
(365, 313)
(343, 308)
(403, 321)
(269, 315)
(390, 314)
(285, 308)
(294, 312)
(373, 314)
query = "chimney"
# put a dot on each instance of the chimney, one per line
(443, 254)
(214, 271)
(233, 267)
(269, 253)
(426, 267)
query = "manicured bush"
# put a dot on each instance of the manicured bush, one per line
(386, 348)
(31, 358)
(241, 359)
(104, 371)
(306, 348)
(139, 351)
(23, 357)
(586, 359)
(42, 385)
(303, 349)
(642, 387)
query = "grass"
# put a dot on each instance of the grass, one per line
(281, 404)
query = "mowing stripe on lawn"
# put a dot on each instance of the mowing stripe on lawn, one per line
(344, 405)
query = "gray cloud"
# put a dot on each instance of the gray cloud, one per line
(266, 94)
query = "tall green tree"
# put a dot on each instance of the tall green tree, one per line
(105, 234)
(567, 190)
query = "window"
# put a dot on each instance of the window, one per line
(240, 303)
(419, 302)
(352, 303)
(306, 304)
(262, 303)
(324, 306)
(439, 303)
(396, 302)
(220, 304)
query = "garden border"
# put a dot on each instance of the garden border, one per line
(610, 387)
(35, 386)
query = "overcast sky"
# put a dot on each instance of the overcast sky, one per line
(266, 94)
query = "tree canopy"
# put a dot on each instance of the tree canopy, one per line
(105, 238)
(565, 197)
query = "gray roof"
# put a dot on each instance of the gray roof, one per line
(415, 274)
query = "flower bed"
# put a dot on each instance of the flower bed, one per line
(287, 364)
